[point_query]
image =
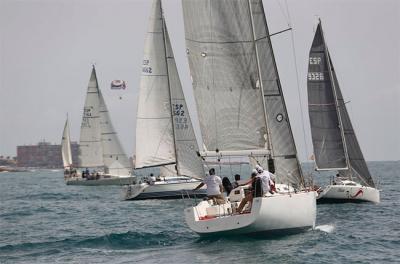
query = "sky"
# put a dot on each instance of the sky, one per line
(47, 48)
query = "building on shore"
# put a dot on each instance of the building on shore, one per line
(44, 155)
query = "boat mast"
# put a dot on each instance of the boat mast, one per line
(327, 57)
(269, 143)
(169, 86)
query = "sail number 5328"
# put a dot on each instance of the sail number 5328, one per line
(316, 76)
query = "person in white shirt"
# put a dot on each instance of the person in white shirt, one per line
(214, 187)
(265, 178)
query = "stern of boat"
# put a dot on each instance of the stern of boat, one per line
(284, 212)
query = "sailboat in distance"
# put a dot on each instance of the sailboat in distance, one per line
(164, 133)
(102, 160)
(335, 143)
(242, 113)
(66, 152)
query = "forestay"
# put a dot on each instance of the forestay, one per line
(90, 147)
(329, 149)
(229, 52)
(115, 160)
(66, 146)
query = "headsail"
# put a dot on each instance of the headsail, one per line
(90, 147)
(66, 146)
(329, 148)
(115, 160)
(188, 162)
(154, 134)
(235, 81)
(329, 125)
(169, 136)
(358, 166)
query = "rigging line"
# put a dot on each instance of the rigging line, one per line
(297, 82)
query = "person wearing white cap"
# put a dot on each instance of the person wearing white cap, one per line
(265, 177)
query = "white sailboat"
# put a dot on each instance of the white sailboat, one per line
(102, 160)
(164, 133)
(66, 152)
(242, 113)
(335, 143)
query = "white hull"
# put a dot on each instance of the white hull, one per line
(171, 189)
(111, 180)
(346, 193)
(278, 213)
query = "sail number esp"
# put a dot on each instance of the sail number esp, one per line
(181, 122)
(146, 68)
(315, 76)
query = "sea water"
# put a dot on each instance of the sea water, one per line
(44, 221)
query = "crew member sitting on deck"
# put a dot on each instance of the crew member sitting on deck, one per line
(214, 187)
(337, 180)
(226, 183)
(236, 184)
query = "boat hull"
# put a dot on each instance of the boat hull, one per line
(101, 181)
(163, 190)
(274, 214)
(344, 193)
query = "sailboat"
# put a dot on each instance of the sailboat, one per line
(164, 133)
(335, 143)
(242, 113)
(102, 160)
(66, 150)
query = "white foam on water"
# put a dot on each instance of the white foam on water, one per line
(325, 228)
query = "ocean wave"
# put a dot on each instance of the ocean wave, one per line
(46, 196)
(325, 228)
(128, 240)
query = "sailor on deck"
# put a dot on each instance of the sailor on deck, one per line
(265, 178)
(214, 187)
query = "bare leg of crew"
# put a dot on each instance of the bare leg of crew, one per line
(244, 202)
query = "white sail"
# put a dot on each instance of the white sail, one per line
(168, 171)
(188, 162)
(66, 146)
(154, 134)
(90, 147)
(115, 160)
(236, 84)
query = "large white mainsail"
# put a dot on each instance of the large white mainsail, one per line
(66, 146)
(90, 146)
(164, 132)
(236, 84)
(115, 160)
